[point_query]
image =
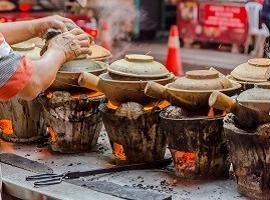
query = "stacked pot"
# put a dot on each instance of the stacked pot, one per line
(251, 72)
(126, 79)
(193, 90)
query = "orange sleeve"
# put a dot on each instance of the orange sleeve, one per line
(18, 79)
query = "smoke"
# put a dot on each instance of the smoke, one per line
(119, 14)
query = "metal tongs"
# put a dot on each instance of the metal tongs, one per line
(52, 179)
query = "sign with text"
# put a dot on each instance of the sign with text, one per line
(224, 16)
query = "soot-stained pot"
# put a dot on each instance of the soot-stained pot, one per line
(193, 90)
(252, 71)
(68, 75)
(127, 78)
(252, 104)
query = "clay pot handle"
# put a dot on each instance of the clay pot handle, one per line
(221, 101)
(155, 90)
(89, 81)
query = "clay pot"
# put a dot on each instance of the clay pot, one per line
(255, 100)
(68, 75)
(138, 66)
(27, 49)
(202, 80)
(119, 91)
(252, 71)
(127, 78)
(193, 90)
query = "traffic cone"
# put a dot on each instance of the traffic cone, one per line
(105, 37)
(173, 60)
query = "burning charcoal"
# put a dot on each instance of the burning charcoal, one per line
(131, 110)
(174, 112)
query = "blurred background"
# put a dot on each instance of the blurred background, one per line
(220, 33)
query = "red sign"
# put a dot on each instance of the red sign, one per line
(224, 16)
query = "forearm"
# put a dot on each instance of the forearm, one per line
(44, 74)
(15, 32)
(47, 68)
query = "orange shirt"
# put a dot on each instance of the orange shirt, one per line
(15, 71)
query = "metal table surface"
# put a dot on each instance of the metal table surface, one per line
(154, 180)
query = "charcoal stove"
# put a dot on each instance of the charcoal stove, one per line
(133, 131)
(72, 119)
(21, 121)
(249, 153)
(196, 143)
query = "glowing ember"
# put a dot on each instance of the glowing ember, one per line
(52, 134)
(118, 151)
(184, 161)
(49, 95)
(6, 126)
(211, 112)
(77, 95)
(159, 104)
(91, 94)
(7, 147)
(149, 106)
(111, 105)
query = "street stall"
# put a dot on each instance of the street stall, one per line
(132, 130)
(223, 22)
(128, 159)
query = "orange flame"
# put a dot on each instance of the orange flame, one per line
(149, 106)
(52, 134)
(6, 126)
(118, 151)
(159, 104)
(211, 112)
(91, 94)
(77, 95)
(111, 105)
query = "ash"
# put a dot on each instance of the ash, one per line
(174, 112)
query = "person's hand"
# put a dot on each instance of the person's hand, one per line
(72, 43)
(39, 27)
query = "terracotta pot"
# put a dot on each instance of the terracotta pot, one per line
(138, 66)
(252, 71)
(202, 80)
(193, 90)
(68, 75)
(119, 91)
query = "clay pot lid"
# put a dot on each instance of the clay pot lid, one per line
(252, 71)
(202, 80)
(82, 65)
(135, 65)
(23, 46)
(27, 49)
(202, 74)
(259, 95)
(99, 52)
